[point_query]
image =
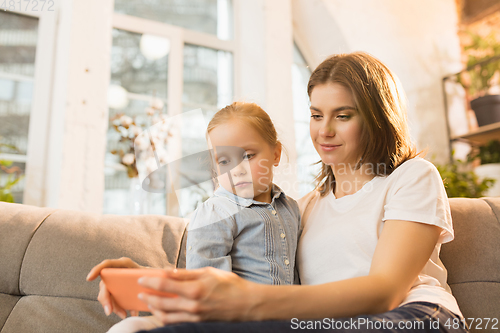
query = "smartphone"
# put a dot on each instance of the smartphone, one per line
(122, 284)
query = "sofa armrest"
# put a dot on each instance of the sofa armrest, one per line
(473, 257)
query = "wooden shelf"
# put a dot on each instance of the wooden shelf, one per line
(481, 135)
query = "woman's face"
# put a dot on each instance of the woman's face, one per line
(335, 125)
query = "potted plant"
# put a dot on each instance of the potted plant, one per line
(482, 77)
(460, 181)
(489, 158)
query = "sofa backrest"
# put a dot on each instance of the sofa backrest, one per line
(45, 255)
(473, 260)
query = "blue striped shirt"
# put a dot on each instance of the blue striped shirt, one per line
(256, 240)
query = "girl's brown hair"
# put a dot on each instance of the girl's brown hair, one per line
(252, 115)
(381, 103)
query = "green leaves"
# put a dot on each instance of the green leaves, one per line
(6, 189)
(481, 48)
(489, 153)
(478, 78)
(460, 181)
(13, 172)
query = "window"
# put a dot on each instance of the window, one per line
(181, 69)
(306, 153)
(207, 86)
(138, 75)
(18, 46)
(207, 16)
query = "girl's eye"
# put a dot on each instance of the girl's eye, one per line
(315, 116)
(343, 116)
(223, 162)
(248, 156)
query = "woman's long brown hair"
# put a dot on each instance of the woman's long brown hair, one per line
(381, 102)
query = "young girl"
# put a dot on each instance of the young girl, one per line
(249, 226)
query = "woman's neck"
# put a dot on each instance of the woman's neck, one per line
(349, 180)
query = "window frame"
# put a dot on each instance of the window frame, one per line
(36, 153)
(178, 37)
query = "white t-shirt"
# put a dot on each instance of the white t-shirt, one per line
(340, 235)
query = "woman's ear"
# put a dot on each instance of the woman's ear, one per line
(277, 154)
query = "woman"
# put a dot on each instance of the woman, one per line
(372, 228)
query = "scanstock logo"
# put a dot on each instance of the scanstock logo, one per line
(174, 154)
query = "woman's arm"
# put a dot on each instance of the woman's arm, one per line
(401, 253)
(208, 294)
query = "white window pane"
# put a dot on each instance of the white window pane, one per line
(139, 71)
(137, 66)
(7, 89)
(306, 153)
(208, 16)
(18, 36)
(208, 85)
(208, 77)
(24, 93)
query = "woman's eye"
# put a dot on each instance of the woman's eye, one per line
(223, 162)
(315, 116)
(343, 116)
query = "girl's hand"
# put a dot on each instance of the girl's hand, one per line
(203, 294)
(107, 301)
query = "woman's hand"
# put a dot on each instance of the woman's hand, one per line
(203, 294)
(107, 301)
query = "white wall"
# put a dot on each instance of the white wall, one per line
(416, 39)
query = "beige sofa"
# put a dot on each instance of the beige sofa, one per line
(45, 255)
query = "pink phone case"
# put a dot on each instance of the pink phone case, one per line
(123, 286)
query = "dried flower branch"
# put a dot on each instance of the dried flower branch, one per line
(131, 130)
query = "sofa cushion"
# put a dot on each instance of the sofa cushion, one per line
(18, 224)
(478, 300)
(473, 257)
(57, 314)
(68, 244)
(7, 303)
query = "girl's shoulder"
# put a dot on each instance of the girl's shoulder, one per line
(215, 207)
(210, 213)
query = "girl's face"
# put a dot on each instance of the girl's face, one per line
(244, 160)
(335, 125)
